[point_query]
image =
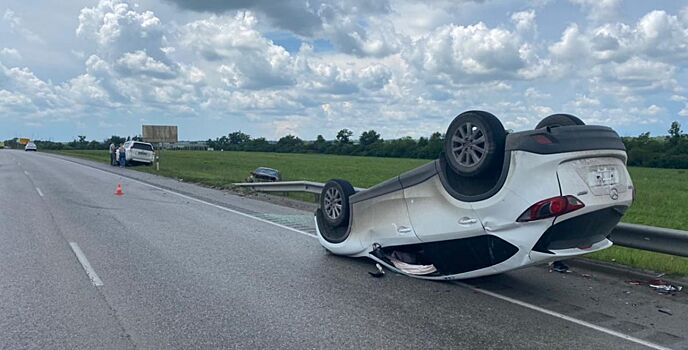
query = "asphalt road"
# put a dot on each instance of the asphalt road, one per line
(189, 267)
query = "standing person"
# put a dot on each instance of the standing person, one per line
(122, 155)
(112, 153)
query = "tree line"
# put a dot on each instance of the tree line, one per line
(79, 143)
(669, 151)
(369, 143)
(659, 152)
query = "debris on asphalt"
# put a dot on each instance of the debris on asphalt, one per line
(660, 286)
(585, 275)
(665, 311)
(559, 266)
(379, 273)
(664, 287)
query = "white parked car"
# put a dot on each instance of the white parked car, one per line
(30, 147)
(492, 201)
(140, 152)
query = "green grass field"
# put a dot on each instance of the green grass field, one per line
(662, 194)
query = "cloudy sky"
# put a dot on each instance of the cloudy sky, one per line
(309, 67)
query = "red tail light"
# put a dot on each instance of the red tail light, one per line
(551, 207)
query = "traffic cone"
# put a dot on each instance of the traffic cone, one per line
(119, 192)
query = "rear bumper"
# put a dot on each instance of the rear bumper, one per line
(581, 231)
(141, 159)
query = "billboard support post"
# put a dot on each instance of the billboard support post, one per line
(159, 134)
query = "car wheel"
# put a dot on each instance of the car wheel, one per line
(560, 119)
(334, 202)
(474, 143)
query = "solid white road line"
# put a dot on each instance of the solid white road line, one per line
(39, 191)
(476, 289)
(84, 263)
(564, 317)
(228, 210)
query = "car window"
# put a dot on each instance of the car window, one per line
(142, 146)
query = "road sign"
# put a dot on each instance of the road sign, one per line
(160, 133)
(24, 141)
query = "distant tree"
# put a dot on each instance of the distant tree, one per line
(432, 148)
(675, 133)
(422, 142)
(223, 142)
(368, 138)
(94, 145)
(79, 143)
(260, 145)
(405, 147)
(319, 145)
(238, 138)
(117, 140)
(289, 143)
(344, 136)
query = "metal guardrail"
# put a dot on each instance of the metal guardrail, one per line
(287, 186)
(650, 238)
(655, 239)
(283, 186)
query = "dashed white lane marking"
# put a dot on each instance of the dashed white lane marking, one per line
(85, 264)
(476, 289)
(39, 191)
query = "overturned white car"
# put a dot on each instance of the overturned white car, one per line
(491, 202)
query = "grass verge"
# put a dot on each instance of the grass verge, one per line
(662, 194)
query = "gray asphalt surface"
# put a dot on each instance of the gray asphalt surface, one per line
(178, 273)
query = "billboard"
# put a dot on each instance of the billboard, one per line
(24, 141)
(160, 133)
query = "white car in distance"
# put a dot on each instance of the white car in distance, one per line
(139, 152)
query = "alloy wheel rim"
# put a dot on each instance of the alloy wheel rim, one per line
(469, 145)
(333, 203)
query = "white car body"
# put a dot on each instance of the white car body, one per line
(420, 211)
(30, 147)
(142, 152)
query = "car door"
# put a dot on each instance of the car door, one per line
(380, 216)
(435, 215)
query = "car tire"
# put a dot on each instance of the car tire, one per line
(474, 143)
(559, 119)
(334, 202)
